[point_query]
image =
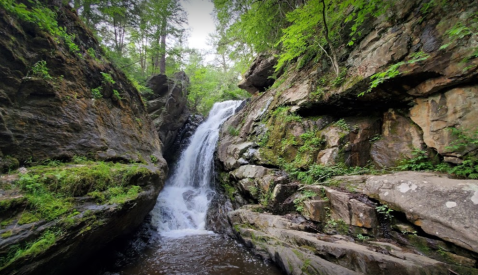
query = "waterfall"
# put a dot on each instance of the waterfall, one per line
(182, 205)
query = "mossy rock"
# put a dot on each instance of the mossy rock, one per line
(9, 163)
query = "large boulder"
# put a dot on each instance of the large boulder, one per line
(442, 207)
(438, 113)
(297, 252)
(167, 106)
(399, 138)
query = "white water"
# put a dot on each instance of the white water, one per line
(182, 206)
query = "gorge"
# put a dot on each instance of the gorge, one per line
(368, 169)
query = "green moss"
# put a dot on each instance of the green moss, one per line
(7, 234)
(120, 195)
(229, 191)
(9, 204)
(6, 222)
(29, 250)
(27, 218)
(342, 227)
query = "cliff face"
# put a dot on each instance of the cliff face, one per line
(312, 124)
(58, 103)
(167, 106)
(57, 115)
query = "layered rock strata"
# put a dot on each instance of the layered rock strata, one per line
(313, 124)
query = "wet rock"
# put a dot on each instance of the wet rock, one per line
(172, 153)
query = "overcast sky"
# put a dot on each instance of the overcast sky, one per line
(200, 22)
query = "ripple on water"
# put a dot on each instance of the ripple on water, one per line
(197, 254)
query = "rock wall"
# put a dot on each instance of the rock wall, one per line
(167, 106)
(310, 119)
(58, 117)
(83, 106)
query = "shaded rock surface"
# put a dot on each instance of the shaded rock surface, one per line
(90, 228)
(182, 139)
(59, 118)
(167, 106)
(258, 77)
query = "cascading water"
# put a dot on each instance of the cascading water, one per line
(182, 206)
(180, 217)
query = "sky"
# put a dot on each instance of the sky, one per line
(200, 22)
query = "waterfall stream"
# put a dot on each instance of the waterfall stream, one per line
(182, 206)
(181, 244)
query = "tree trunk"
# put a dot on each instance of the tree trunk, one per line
(333, 55)
(162, 62)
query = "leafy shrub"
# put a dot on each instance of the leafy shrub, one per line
(233, 131)
(40, 69)
(418, 162)
(342, 125)
(107, 78)
(97, 92)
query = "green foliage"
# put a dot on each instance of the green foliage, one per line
(253, 190)
(96, 92)
(385, 211)
(342, 125)
(233, 131)
(209, 84)
(229, 191)
(154, 159)
(40, 69)
(418, 162)
(302, 33)
(458, 31)
(265, 197)
(393, 71)
(92, 53)
(362, 238)
(107, 78)
(339, 80)
(43, 17)
(250, 26)
(117, 94)
(31, 249)
(311, 141)
(264, 139)
(299, 202)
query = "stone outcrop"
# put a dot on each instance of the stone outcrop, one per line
(312, 124)
(79, 106)
(86, 230)
(58, 116)
(443, 208)
(167, 105)
(257, 78)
